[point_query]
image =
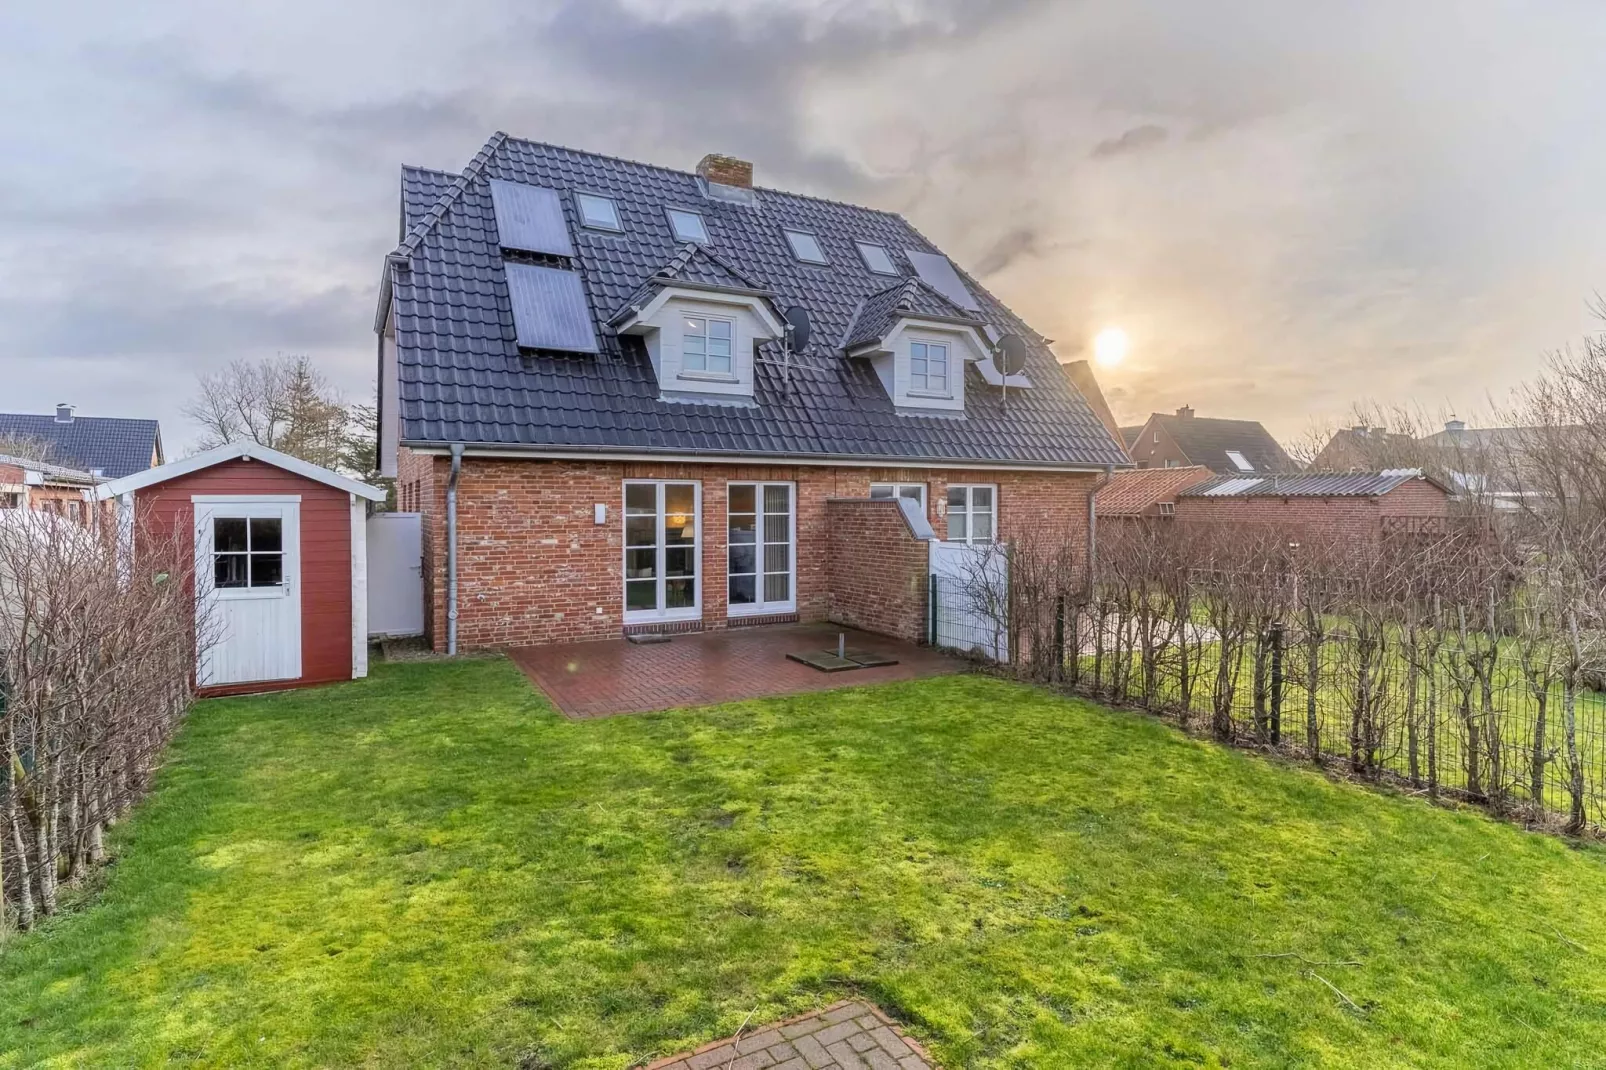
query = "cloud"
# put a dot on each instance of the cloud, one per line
(1136, 139)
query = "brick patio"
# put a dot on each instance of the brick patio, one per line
(845, 1036)
(611, 676)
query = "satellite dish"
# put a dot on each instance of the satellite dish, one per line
(1010, 354)
(797, 317)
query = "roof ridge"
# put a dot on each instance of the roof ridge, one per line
(438, 211)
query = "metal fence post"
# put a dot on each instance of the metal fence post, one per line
(1059, 638)
(932, 626)
(1276, 682)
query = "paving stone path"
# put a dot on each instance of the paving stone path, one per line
(845, 1036)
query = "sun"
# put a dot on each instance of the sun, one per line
(1110, 346)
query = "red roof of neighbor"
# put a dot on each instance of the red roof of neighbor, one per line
(1130, 493)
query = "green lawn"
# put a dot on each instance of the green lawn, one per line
(431, 868)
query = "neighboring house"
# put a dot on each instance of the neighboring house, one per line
(1146, 493)
(585, 389)
(1487, 464)
(1357, 506)
(1367, 449)
(53, 488)
(105, 446)
(1226, 447)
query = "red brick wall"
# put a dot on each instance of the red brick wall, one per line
(165, 511)
(1323, 518)
(878, 568)
(1151, 454)
(534, 568)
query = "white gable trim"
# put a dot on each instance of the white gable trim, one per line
(636, 322)
(235, 451)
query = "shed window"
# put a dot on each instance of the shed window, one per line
(688, 226)
(876, 258)
(247, 551)
(599, 212)
(805, 246)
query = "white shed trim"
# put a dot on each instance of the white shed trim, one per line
(359, 588)
(236, 451)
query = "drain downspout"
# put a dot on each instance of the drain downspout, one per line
(451, 548)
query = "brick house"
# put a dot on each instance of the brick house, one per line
(1146, 494)
(630, 398)
(53, 488)
(1226, 447)
(1357, 506)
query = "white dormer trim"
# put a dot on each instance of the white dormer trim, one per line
(659, 323)
(890, 359)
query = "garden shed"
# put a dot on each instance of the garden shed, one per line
(279, 562)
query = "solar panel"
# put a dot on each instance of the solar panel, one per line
(530, 219)
(549, 309)
(939, 272)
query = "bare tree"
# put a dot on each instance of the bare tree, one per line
(284, 404)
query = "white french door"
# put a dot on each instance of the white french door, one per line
(663, 545)
(761, 548)
(248, 590)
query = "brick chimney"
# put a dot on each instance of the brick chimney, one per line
(64, 413)
(725, 171)
(1186, 412)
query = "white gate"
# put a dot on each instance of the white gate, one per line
(395, 574)
(970, 598)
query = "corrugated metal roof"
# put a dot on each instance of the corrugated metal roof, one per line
(460, 378)
(530, 218)
(938, 271)
(549, 309)
(1310, 485)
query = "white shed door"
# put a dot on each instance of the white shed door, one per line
(248, 590)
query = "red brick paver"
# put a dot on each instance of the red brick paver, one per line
(611, 676)
(844, 1036)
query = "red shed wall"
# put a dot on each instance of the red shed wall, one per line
(165, 510)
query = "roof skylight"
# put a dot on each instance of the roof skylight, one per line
(1240, 461)
(876, 258)
(598, 212)
(688, 226)
(805, 246)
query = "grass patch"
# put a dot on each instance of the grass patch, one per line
(431, 868)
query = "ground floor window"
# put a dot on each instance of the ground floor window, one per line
(915, 492)
(663, 529)
(972, 512)
(761, 545)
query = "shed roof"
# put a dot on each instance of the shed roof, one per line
(1131, 493)
(230, 451)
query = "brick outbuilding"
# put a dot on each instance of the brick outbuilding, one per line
(1355, 505)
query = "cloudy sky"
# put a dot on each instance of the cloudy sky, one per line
(1287, 206)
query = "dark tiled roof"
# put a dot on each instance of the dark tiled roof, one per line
(1131, 493)
(1129, 435)
(117, 446)
(882, 310)
(1309, 485)
(1206, 441)
(463, 379)
(693, 264)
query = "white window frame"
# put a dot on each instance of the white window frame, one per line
(674, 228)
(896, 490)
(1168, 508)
(580, 199)
(706, 372)
(1239, 461)
(793, 233)
(890, 269)
(928, 391)
(759, 607)
(661, 614)
(970, 511)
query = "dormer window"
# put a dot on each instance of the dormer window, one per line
(805, 246)
(928, 368)
(706, 345)
(876, 258)
(688, 226)
(596, 212)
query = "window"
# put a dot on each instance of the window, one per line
(11, 499)
(805, 246)
(688, 226)
(760, 548)
(913, 491)
(706, 345)
(662, 528)
(928, 367)
(972, 513)
(1168, 508)
(598, 212)
(876, 258)
(1156, 438)
(1171, 462)
(1240, 461)
(75, 512)
(247, 551)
